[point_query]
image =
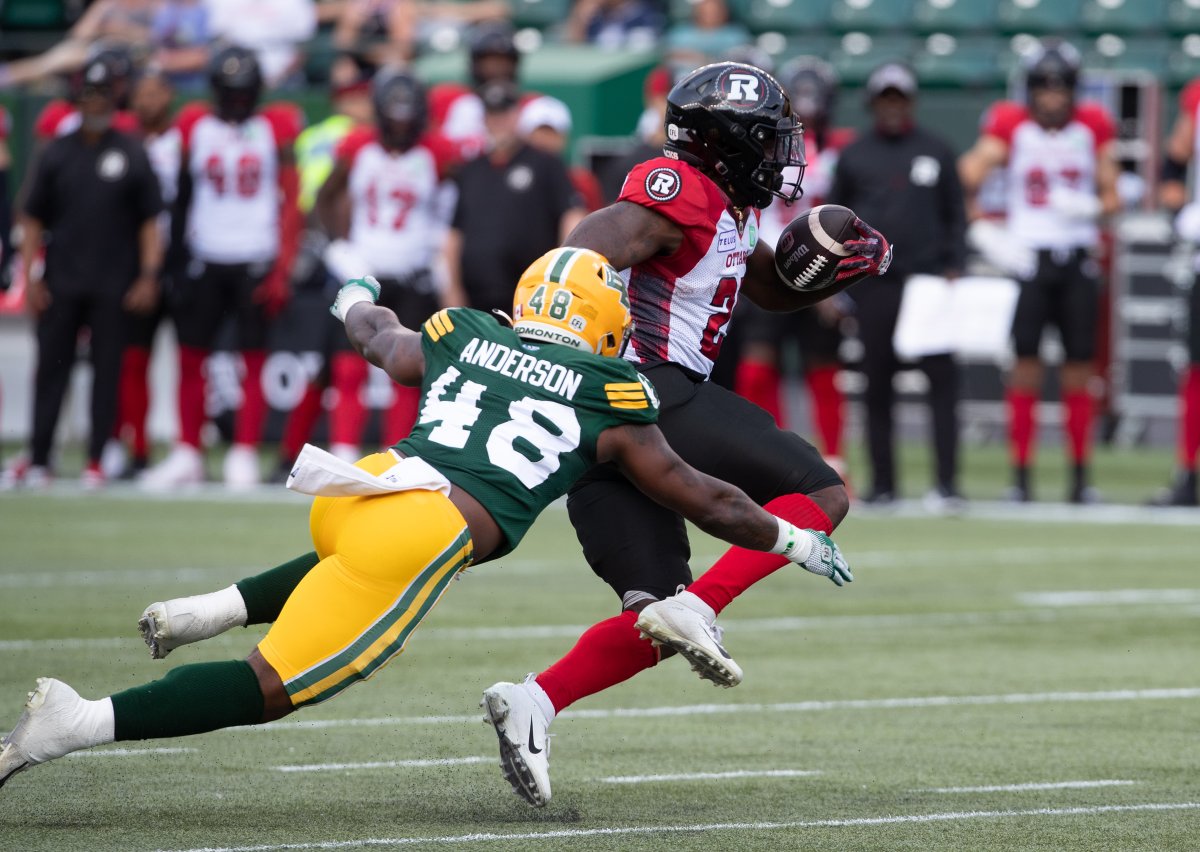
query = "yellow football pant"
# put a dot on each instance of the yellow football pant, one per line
(385, 562)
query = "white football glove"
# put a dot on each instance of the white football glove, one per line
(813, 550)
(1187, 223)
(344, 261)
(1075, 204)
(1001, 249)
(354, 291)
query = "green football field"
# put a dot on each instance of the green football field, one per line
(1014, 679)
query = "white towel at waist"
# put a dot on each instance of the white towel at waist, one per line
(321, 473)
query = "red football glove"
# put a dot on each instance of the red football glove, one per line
(872, 254)
(274, 291)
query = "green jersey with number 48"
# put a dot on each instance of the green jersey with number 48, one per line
(514, 423)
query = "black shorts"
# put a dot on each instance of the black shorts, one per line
(1065, 293)
(1194, 322)
(207, 292)
(818, 342)
(641, 548)
(412, 299)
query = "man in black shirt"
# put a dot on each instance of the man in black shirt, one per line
(515, 203)
(903, 180)
(92, 203)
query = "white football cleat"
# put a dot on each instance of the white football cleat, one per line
(672, 623)
(183, 466)
(241, 467)
(53, 724)
(166, 625)
(521, 727)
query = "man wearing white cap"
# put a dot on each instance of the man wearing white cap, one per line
(545, 123)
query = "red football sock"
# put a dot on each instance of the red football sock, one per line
(191, 394)
(1021, 405)
(134, 399)
(401, 415)
(248, 425)
(1189, 427)
(760, 383)
(739, 568)
(1078, 405)
(348, 417)
(827, 407)
(607, 653)
(300, 422)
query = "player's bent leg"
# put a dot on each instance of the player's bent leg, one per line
(54, 722)
(165, 625)
(522, 727)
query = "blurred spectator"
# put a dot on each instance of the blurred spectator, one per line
(902, 179)
(514, 204)
(61, 116)
(455, 110)
(127, 454)
(273, 29)
(811, 83)
(93, 201)
(1061, 177)
(382, 207)
(127, 22)
(392, 31)
(708, 34)
(1175, 196)
(350, 104)
(545, 123)
(234, 231)
(180, 36)
(615, 24)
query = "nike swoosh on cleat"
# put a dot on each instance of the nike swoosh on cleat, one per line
(532, 745)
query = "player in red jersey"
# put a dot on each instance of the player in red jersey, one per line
(1062, 177)
(685, 232)
(812, 85)
(382, 205)
(237, 223)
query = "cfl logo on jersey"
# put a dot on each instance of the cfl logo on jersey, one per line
(742, 89)
(663, 184)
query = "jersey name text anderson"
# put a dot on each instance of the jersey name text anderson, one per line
(501, 359)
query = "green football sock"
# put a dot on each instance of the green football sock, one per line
(266, 593)
(191, 699)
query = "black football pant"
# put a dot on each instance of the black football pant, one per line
(877, 307)
(58, 331)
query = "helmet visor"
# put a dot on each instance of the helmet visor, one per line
(783, 154)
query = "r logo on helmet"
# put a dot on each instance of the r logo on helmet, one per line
(742, 89)
(663, 184)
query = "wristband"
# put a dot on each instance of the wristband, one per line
(791, 542)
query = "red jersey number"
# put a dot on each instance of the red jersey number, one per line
(714, 332)
(246, 180)
(403, 200)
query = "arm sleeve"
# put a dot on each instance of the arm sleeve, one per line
(148, 194)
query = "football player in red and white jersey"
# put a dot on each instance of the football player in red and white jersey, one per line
(236, 221)
(382, 206)
(1062, 177)
(812, 85)
(685, 232)
(1183, 146)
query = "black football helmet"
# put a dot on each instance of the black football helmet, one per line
(236, 81)
(1052, 63)
(109, 67)
(401, 111)
(493, 39)
(812, 84)
(734, 123)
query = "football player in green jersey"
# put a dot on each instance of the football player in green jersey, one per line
(509, 419)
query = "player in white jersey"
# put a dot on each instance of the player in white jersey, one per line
(1061, 178)
(235, 227)
(812, 85)
(1183, 147)
(382, 204)
(685, 232)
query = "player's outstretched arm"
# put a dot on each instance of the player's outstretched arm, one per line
(377, 334)
(718, 508)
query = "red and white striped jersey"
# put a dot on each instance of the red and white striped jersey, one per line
(1041, 160)
(682, 302)
(396, 219)
(235, 208)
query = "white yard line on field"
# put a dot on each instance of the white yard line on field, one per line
(130, 752)
(383, 764)
(900, 819)
(1035, 785)
(789, 707)
(712, 776)
(1110, 597)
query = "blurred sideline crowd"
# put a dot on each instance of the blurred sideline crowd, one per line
(221, 215)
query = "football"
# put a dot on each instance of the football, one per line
(810, 247)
